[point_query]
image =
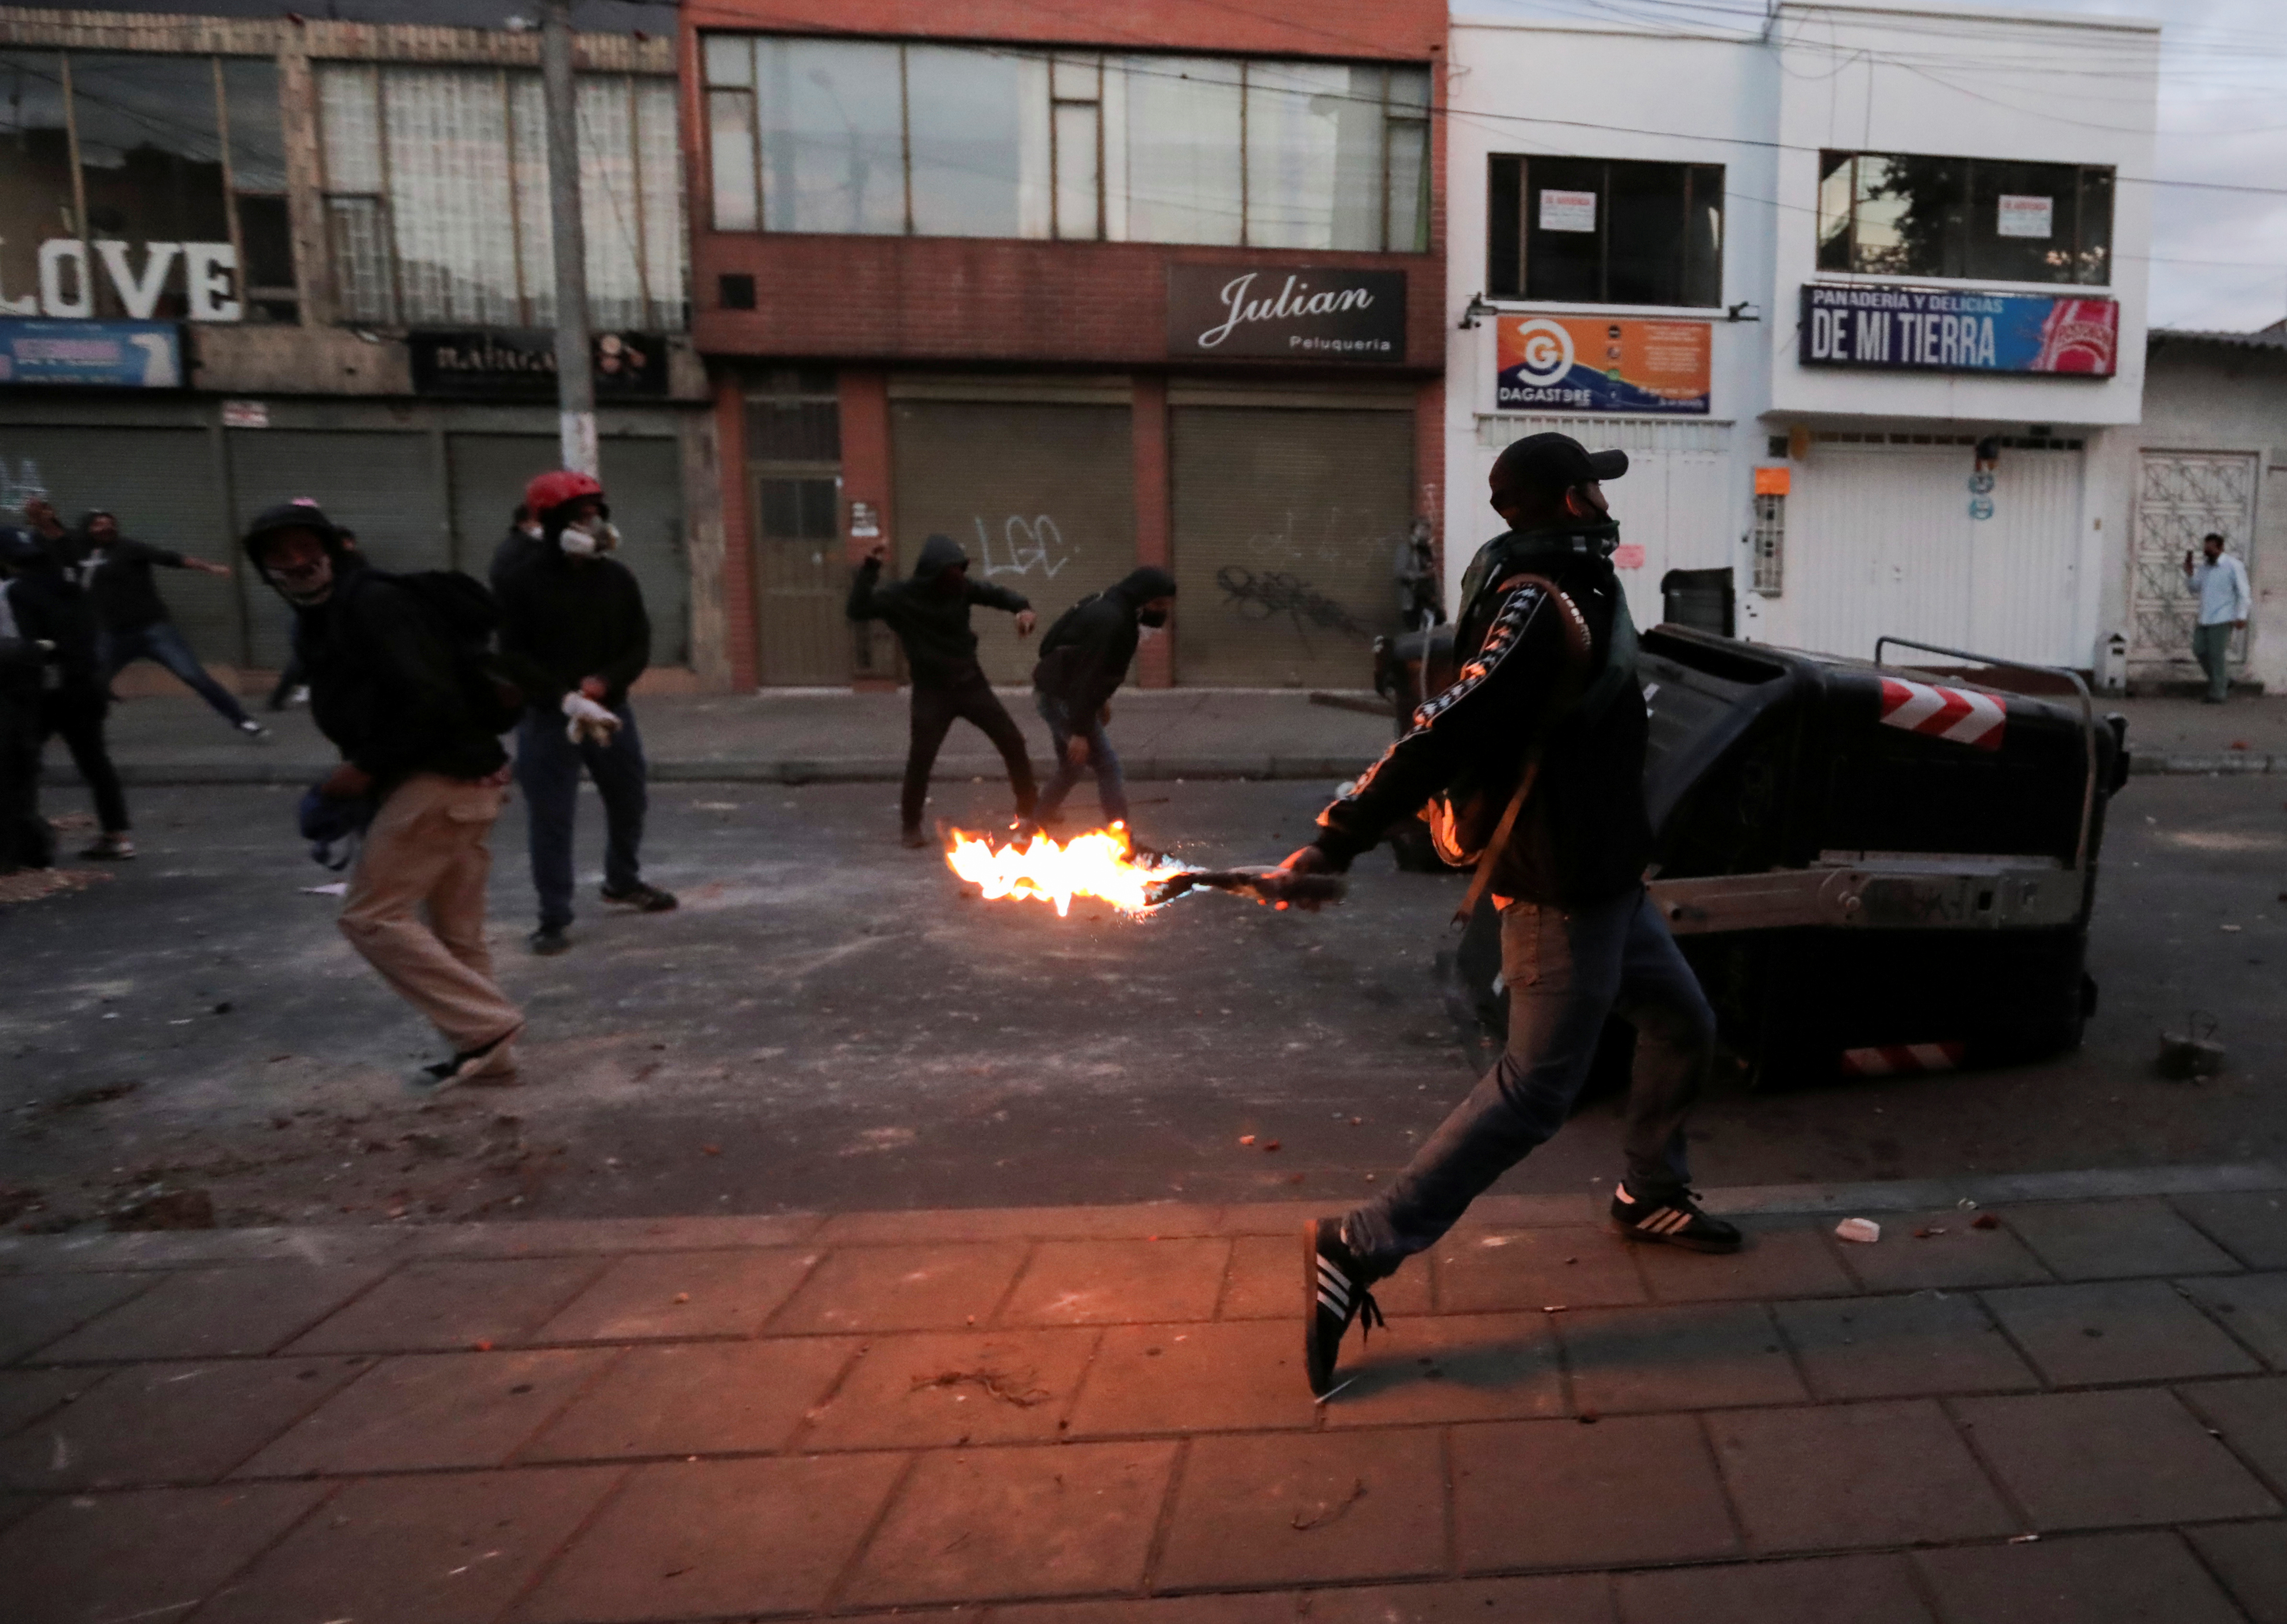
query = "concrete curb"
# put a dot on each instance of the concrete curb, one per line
(2234, 762)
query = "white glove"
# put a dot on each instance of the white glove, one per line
(590, 723)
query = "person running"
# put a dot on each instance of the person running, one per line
(131, 619)
(394, 687)
(74, 701)
(929, 613)
(1084, 658)
(293, 685)
(575, 635)
(1534, 763)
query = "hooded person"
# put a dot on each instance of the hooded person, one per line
(575, 635)
(25, 658)
(131, 619)
(929, 613)
(1084, 658)
(1532, 763)
(397, 687)
(52, 605)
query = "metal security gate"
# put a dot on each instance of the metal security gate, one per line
(1042, 495)
(1288, 526)
(164, 486)
(2182, 497)
(1881, 538)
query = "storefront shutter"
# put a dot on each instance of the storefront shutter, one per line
(387, 487)
(1042, 495)
(1288, 526)
(162, 484)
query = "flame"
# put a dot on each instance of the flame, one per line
(1100, 863)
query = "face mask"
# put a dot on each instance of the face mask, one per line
(597, 536)
(1151, 619)
(305, 588)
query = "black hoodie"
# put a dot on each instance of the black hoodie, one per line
(126, 597)
(1584, 835)
(564, 619)
(1084, 658)
(931, 623)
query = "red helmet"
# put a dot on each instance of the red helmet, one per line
(558, 486)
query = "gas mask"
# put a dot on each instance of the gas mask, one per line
(585, 538)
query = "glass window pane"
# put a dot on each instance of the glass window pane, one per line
(35, 184)
(1563, 237)
(257, 135)
(1077, 213)
(972, 163)
(731, 147)
(1409, 187)
(832, 137)
(819, 519)
(1505, 228)
(2021, 221)
(1183, 172)
(730, 60)
(2095, 256)
(1076, 78)
(359, 229)
(1911, 215)
(610, 224)
(527, 111)
(781, 504)
(1314, 157)
(794, 431)
(1836, 199)
(1703, 265)
(1409, 87)
(1645, 236)
(349, 116)
(150, 150)
(268, 235)
(659, 177)
(448, 133)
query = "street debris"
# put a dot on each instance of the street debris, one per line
(160, 1207)
(1008, 1388)
(1861, 1231)
(32, 885)
(1301, 1524)
(2192, 1053)
(1985, 1220)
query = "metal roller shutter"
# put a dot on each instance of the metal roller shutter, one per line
(164, 486)
(1287, 529)
(387, 487)
(1041, 496)
(643, 480)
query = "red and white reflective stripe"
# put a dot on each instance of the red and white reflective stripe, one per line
(1893, 1059)
(1955, 714)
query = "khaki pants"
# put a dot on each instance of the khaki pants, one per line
(427, 846)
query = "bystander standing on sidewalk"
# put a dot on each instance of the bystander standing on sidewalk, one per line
(73, 701)
(929, 613)
(1084, 658)
(2219, 582)
(131, 619)
(575, 635)
(395, 686)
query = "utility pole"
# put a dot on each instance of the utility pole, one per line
(576, 383)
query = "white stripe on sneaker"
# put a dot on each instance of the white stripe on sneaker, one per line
(1332, 1307)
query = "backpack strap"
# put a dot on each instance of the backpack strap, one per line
(1577, 646)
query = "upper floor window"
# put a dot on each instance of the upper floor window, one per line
(437, 197)
(1983, 220)
(886, 138)
(160, 179)
(1598, 231)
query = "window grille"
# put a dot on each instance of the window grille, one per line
(1771, 545)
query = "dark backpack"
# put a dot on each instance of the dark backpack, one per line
(467, 617)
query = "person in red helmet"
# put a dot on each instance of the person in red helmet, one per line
(576, 635)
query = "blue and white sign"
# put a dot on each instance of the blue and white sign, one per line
(1927, 329)
(107, 355)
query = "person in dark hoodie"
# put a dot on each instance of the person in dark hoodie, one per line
(132, 620)
(75, 702)
(929, 613)
(1084, 658)
(25, 658)
(574, 635)
(293, 685)
(1535, 754)
(394, 689)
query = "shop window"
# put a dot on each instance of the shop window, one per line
(876, 137)
(1595, 231)
(1982, 219)
(1769, 543)
(178, 150)
(437, 202)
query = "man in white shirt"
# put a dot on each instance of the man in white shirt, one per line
(2221, 584)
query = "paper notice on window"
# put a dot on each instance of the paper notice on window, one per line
(1568, 210)
(2027, 216)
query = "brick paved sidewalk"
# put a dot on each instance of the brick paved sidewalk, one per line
(1100, 1415)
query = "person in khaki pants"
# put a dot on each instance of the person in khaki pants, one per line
(392, 688)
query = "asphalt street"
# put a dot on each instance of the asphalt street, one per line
(830, 1023)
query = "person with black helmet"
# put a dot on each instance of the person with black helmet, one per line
(396, 687)
(1084, 658)
(929, 613)
(1533, 764)
(575, 634)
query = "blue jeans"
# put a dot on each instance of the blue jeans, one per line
(1111, 787)
(1566, 970)
(162, 641)
(547, 768)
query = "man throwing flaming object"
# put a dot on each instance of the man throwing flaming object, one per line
(1533, 764)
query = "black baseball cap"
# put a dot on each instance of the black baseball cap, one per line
(1549, 464)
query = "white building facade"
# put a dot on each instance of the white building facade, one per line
(1864, 298)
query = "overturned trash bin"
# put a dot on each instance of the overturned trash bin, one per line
(1874, 871)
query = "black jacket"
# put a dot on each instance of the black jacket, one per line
(564, 619)
(50, 605)
(386, 686)
(931, 623)
(1085, 656)
(117, 575)
(1584, 835)
(513, 549)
